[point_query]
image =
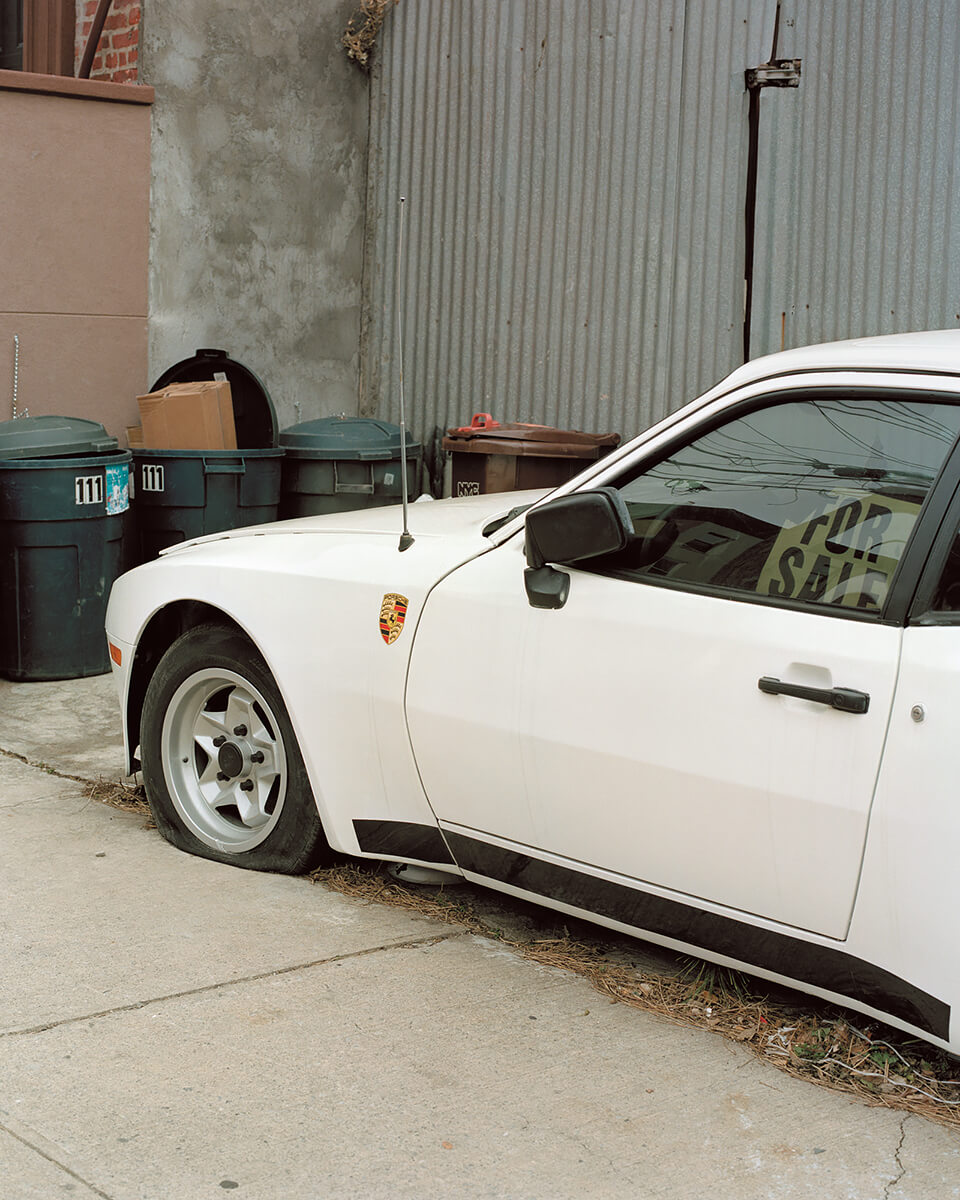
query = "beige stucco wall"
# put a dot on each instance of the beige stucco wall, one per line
(259, 175)
(74, 193)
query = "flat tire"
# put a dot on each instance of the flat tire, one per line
(222, 768)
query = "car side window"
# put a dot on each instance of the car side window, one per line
(810, 500)
(946, 597)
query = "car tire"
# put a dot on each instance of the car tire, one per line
(221, 765)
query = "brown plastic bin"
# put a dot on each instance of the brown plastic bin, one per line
(488, 456)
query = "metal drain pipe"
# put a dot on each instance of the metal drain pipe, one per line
(93, 41)
(780, 73)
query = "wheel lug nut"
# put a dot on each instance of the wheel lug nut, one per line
(218, 741)
(256, 756)
(221, 777)
(247, 785)
(240, 730)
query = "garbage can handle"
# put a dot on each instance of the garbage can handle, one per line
(224, 468)
(356, 489)
(103, 444)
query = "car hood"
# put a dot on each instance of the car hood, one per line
(467, 516)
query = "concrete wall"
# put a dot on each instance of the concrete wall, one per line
(257, 207)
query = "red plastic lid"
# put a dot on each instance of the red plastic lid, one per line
(574, 442)
(480, 421)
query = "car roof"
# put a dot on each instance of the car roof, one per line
(936, 350)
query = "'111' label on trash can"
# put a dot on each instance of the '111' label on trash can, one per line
(115, 481)
(89, 489)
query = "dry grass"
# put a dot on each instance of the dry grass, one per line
(360, 36)
(804, 1038)
(127, 797)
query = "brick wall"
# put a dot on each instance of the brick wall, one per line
(119, 50)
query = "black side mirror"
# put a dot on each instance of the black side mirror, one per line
(578, 526)
(567, 530)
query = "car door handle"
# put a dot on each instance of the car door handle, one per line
(844, 699)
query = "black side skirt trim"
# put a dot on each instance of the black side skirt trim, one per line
(404, 839)
(822, 966)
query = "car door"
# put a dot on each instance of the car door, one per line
(656, 727)
(910, 887)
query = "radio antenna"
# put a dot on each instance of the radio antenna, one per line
(406, 538)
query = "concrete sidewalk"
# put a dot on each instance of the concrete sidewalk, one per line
(173, 1028)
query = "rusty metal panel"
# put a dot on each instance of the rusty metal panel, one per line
(858, 226)
(574, 221)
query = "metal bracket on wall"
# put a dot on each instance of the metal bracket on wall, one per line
(784, 72)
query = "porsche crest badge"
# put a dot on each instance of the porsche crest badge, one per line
(392, 614)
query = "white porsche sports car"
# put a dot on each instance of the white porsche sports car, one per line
(705, 693)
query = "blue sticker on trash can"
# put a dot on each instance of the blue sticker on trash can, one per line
(118, 489)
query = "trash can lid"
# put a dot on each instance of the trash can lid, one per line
(253, 412)
(343, 438)
(484, 435)
(53, 437)
(483, 425)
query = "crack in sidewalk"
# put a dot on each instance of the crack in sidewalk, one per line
(896, 1158)
(409, 944)
(45, 767)
(24, 1140)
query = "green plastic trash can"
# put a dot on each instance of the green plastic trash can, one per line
(336, 464)
(64, 502)
(183, 494)
(253, 413)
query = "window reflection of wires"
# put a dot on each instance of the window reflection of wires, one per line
(904, 420)
(726, 455)
(685, 486)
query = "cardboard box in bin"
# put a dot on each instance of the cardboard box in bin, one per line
(189, 416)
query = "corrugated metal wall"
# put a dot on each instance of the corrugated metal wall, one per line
(721, 39)
(575, 174)
(573, 240)
(858, 219)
